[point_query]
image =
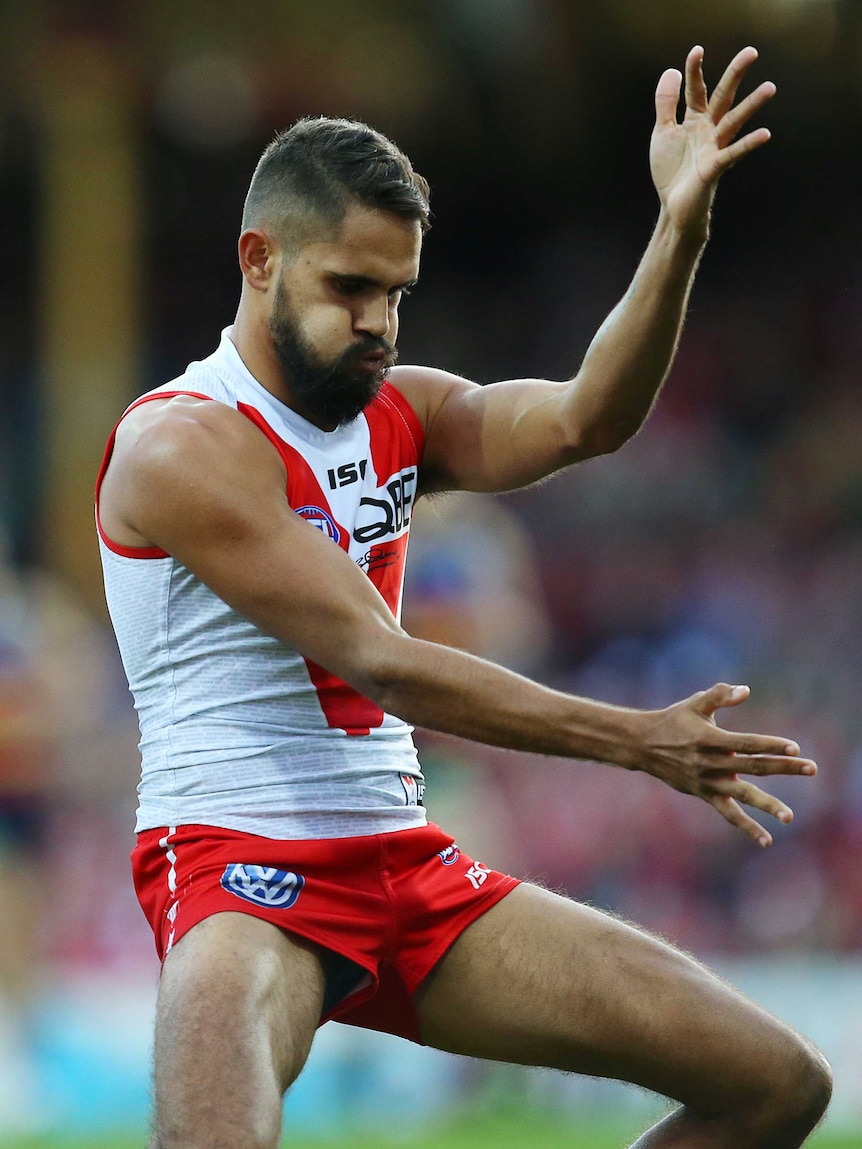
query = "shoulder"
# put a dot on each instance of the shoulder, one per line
(164, 433)
(426, 389)
(185, 468)
(185, 451)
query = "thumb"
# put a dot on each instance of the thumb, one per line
(667, 97)
(720, 695)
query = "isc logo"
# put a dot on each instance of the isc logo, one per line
(263, 885)
(477, 875)
(346, 474)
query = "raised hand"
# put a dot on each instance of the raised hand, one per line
(686, 749)
(687, 159)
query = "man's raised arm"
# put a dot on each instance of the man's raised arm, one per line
(512, 433)
(200, 481)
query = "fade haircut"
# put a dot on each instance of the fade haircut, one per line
(311, 173)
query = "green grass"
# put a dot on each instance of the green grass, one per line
(516, 1131)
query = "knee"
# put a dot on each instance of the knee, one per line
(813, 1088)
(799, 1089)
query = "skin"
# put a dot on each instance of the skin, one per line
(198, 480)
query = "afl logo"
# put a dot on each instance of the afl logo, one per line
(320, 519)
(263, 885)
(450, 855)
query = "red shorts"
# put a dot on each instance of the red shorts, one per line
(389, 904)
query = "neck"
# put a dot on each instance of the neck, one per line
(251, 337)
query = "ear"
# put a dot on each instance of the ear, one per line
(257, 258)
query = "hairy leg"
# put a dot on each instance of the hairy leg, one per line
(239, 1002)
(542, 980)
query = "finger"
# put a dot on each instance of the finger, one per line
(737, 117)
(733, 813)
(732, 154)
(695, 87)
(722, 741)
(708, 701)
(667, 97)
(752, 795)
(727, 86)
(768, 765)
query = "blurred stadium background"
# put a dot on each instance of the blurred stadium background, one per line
(723, 543)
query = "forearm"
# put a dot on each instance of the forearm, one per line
(450, 691)
(632, 352)
(681, 745)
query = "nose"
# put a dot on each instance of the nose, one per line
(373, 318)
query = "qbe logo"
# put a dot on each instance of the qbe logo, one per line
(263, 885)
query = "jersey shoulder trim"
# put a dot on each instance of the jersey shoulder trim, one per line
(118, 548)
(391, 397)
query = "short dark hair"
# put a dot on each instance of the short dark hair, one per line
(312, 172)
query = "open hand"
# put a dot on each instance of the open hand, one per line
(687, 750)
(687, 159)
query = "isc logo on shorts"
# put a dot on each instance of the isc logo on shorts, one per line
(263, 885)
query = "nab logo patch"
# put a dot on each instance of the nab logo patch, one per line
(321, 519)
(450, 855)
(263, 885)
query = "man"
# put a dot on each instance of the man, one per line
(284, 859)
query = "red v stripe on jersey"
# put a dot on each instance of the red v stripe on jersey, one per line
(344, 708)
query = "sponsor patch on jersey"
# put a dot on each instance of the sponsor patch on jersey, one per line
(450, 855)
(263, 885)
(386, 513)
(413, 789)
(321, 519)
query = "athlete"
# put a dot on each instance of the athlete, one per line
(253, 520)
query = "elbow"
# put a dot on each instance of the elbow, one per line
(378, 671)
(601, 439)
(612, 438)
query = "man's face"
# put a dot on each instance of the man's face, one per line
(334, 319)
(326, 392)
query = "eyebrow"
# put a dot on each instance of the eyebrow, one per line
(369, 281)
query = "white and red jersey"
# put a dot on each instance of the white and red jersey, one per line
(237, 729)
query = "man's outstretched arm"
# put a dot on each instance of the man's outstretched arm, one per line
(197, 479)
(509, 434)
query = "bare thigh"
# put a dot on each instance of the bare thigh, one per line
(239, 1003)
(542, 980)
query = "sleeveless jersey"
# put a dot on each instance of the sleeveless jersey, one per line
(238, 730)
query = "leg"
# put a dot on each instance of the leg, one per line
(545, 981)
(239, 1002)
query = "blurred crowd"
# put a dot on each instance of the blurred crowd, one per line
(723, 543)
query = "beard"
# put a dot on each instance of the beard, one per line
(333, 393)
